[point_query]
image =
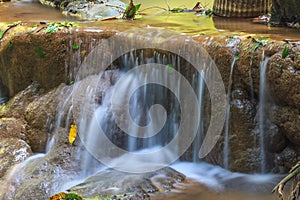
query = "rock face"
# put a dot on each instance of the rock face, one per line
(49, 59)
(36, 106)
(283, 110)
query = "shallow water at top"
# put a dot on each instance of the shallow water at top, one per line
(28, 11)
(184, 23)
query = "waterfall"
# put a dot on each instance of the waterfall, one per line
(150, 111)
(262, 112)
(142, 108)
(199, 136)
(227, 119)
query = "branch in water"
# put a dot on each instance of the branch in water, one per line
(292, 173)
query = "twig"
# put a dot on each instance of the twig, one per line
(9, 27)
(116, 6)
(295, 193)
(168, 4)
(154, 7)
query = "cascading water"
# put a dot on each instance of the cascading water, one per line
(227, 119)
(262, 112)
(140, 105)
(150, 88)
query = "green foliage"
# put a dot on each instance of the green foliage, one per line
(1, 33)
(75, 46)
(170, 68)
(55, 26)
(261, 41)
(285, 52)
(236, 58)
(208, 12)
(52, 28)
(40, 51)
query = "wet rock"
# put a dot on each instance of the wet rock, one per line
(283, 76)
(12, 151)
(110, 182)
(243, 141)
(286, 159)
(288, 120)
(275, 139)
(93, 10)
(13, 128)
(41, 113)
(44, 108)
(241, 138)
(89, 9)
(41, 177)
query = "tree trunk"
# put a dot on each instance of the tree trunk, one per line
(240, 8)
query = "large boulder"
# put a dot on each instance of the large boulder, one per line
(89, 9)
(16, 106)
(42, 113)
(12, 151)
(283, 76)
(45, 175)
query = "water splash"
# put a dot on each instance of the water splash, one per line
(262, 112)
(227, 119)
(220, 179)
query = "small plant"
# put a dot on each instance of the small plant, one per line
(131, 10)
(75, 46)
(170, 68)
(285, 52)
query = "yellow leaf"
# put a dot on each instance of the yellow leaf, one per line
(58, 196)
(73, 133)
